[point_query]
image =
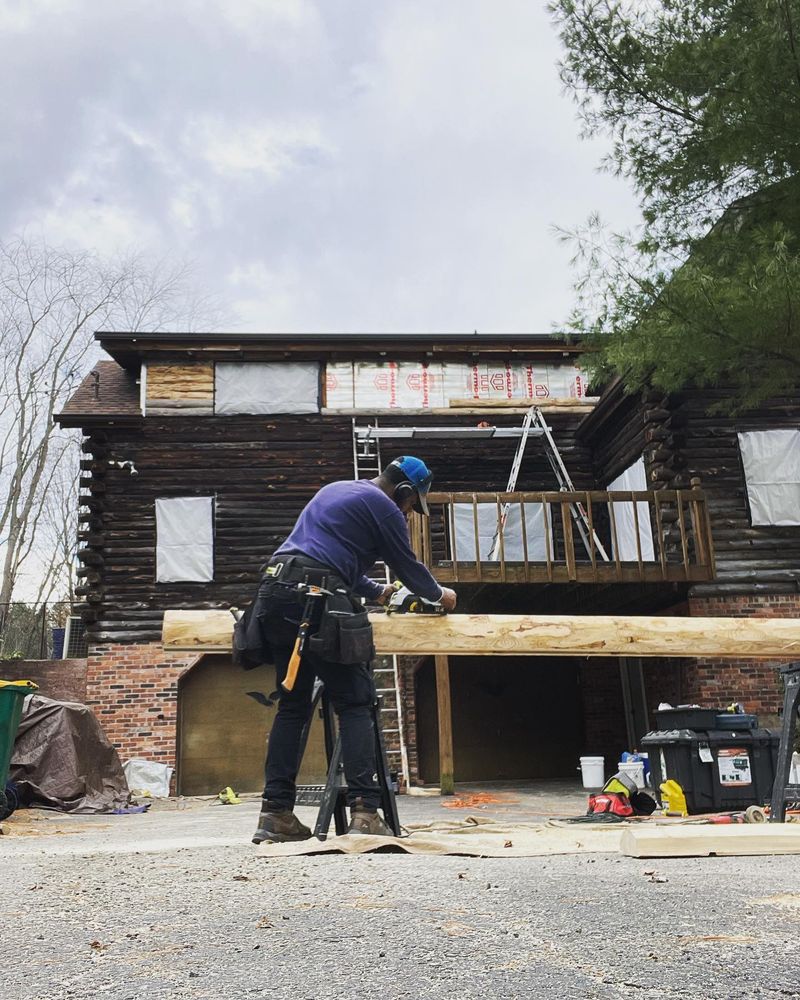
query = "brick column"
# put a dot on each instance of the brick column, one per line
(755, 683)
(133, 690)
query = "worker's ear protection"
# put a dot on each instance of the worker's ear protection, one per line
(403, 490)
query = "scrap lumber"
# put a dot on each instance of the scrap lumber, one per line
(532, 635)
(704, 841)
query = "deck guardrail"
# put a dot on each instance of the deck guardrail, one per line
(532, 537)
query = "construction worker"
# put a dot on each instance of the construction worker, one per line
(346, 528)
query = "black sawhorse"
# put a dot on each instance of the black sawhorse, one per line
(782, 791)
(332, 796)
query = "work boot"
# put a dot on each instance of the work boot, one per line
(279, 826)
(366, 820)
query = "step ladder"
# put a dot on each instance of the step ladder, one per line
(368, 464)
(534, 421)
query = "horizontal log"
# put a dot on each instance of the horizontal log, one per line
(533, 635)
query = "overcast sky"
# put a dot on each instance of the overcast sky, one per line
(329, 164)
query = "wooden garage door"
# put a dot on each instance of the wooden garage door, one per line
(222, 732)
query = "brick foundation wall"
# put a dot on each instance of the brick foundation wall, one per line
(406, 670)
(755, 683)
(133, 691)
(61, 680)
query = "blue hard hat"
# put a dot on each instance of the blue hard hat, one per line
(417, 473)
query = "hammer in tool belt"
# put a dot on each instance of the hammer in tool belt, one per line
(313, 593)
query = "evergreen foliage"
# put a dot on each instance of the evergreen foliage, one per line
(702, 100)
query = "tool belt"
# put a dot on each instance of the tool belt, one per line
(342, 633)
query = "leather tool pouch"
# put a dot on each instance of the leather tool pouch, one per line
(344, 634)
(250, 648)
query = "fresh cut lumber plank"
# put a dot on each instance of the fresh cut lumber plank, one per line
(703, 841)
(532, 635)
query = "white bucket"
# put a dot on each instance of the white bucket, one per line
(634, 769)
(593, 772)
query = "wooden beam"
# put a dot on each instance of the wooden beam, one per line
(533, 635)
(589, 635)
(445, 711)
(584, 404)
(702, 841)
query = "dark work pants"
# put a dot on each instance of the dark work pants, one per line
(351, 691)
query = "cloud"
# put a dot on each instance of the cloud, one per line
(375, 166)
(268, 148)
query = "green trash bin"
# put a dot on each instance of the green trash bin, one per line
(12, 694)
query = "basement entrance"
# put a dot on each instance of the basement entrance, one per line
(222, 731)
(514, 717)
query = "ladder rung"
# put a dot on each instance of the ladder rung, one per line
(385, 731)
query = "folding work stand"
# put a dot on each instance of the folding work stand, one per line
(782, 791)
(332, 796)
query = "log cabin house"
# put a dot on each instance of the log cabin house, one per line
(199, 451)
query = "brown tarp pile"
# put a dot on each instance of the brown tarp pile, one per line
(63, 760)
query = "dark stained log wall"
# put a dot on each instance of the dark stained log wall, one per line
(749, 559)
(261, 470)
(682, 438)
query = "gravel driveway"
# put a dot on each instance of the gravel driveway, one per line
(177, 904)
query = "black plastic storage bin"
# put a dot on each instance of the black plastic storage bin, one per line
(736, 720)
(688, 717)
(719, 770)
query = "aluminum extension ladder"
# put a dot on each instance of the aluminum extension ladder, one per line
(368, 464)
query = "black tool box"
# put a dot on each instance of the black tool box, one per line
(719, 770)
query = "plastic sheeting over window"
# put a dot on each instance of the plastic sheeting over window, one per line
(184, 540)
(488, 547)
(772, 470)
(633, 478)
(266, 387)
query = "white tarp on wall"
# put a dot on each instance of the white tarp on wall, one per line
(414, 385)
(633, 478)
(184, 539)
(771, 462)
(266, 387)
(512, 533)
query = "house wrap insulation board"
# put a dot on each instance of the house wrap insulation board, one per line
(415, 385)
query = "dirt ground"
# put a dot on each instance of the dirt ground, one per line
(176, 903)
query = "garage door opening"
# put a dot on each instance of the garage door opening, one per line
(222, 730)
(513, 718)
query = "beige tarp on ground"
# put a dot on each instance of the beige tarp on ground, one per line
(473, 837)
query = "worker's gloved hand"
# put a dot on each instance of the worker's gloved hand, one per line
(385, 594)
(449, 599)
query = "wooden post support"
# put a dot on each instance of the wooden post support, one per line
(445, 725)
